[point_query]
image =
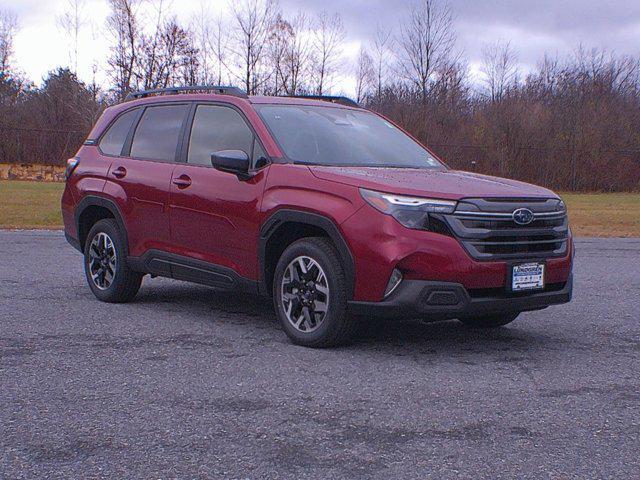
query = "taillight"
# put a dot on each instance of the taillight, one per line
(72, 163)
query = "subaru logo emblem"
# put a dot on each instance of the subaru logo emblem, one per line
(523, 216)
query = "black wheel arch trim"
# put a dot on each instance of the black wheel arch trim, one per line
(285, 215)
(96, 201)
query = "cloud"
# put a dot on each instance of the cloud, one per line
(534, 28)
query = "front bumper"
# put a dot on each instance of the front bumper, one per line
(379, 243)
(445, 300)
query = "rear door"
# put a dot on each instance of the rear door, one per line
(140, 177)
(215, 215)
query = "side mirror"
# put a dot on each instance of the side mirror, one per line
(231, 161)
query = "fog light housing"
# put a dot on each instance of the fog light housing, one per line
(394, 281)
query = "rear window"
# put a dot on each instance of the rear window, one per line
(113, 140)
(156, 137)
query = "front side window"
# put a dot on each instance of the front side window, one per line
(157, 134)
(217, 128)
(322, 135)
(113, 140)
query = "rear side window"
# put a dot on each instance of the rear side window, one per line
(217, 128)
(156, 137)
(112, 141)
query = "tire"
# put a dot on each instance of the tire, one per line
(326, 322)
(108, 275)
(490, 321)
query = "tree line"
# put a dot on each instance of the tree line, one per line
(570, 123)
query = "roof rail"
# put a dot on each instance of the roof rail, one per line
(219, 89)
(328, 98)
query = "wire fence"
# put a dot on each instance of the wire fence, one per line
(42, 146)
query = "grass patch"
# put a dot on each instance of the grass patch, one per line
(30, 204)
(37, 205)
(604, 214)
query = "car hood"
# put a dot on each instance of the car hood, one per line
(447, 184)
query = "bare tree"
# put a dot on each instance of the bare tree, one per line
(167, 57)
(149, 62)
(499, 69)
(71, 22)
(95, 64)
(298, 54)
(123, 25)
(426, 43)
(290, 50)
(252, 23)
(281, 32)
(329, 36)
(365, 75)
(8, 29)
(211, 40)
(381, 43)
(201, 27)
(220, 48)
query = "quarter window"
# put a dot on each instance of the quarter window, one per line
(156, 137)
(112, 141)
(217, 128)
(258, 152)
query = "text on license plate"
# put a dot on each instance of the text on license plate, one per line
(529, 276)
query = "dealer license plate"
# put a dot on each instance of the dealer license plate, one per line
(529, 276)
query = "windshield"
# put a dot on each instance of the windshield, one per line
(336, 136)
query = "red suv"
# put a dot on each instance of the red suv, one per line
(329, 208)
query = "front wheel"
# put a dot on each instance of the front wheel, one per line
(309, 294)
(490, 321)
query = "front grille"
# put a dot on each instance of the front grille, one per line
(487, 230)
(502, 225)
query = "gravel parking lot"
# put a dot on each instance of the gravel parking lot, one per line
(189, 383)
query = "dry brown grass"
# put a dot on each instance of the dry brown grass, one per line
(26, 204)
(604, 214)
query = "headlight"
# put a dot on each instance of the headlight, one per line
(412, 212)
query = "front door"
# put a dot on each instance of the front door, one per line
(215, 215)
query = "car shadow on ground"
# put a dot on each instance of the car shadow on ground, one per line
(209, 305)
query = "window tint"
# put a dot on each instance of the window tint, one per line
(114, 139)
(156, 137)
(217, 128)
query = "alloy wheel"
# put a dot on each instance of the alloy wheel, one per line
(102, 260)
(305, 294)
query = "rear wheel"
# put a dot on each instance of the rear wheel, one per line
(490, 321)
(309, 293)
(109, 277)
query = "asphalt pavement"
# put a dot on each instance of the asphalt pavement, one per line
(186, 382)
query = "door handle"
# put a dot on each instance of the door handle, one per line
(119, 172)
(183, 181)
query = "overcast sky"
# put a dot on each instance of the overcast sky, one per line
(532, 26)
